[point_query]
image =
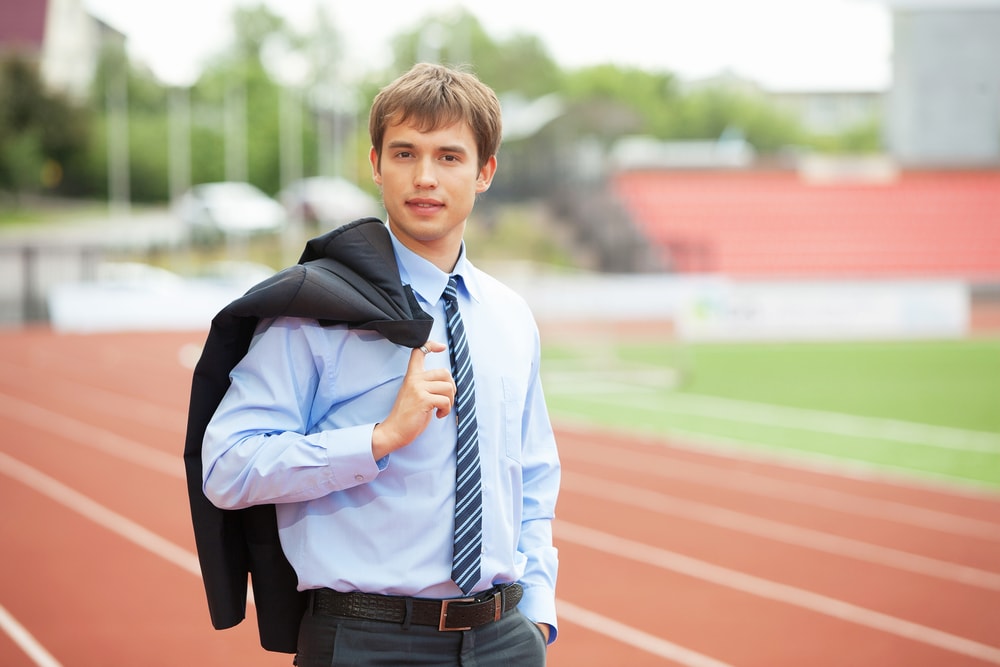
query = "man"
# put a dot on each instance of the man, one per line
(357, 441)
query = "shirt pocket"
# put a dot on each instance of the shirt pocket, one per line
(513, 411)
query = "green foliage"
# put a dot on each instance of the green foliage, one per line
(207, 153)
(865, 137)
(253, 26)
(148, 166)
(708, 113)
(608, 101)
(40, 132)
(459, 39)
(50, 145)
(22, 162)
(88, 171)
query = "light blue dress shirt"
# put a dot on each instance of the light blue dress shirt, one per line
(295, 429)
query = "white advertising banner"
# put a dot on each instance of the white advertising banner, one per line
(824, 310)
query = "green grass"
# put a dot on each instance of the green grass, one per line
(34, 211)
(927, 408)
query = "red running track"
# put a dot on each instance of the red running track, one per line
(671, 554)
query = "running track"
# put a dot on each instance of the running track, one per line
(671, 554)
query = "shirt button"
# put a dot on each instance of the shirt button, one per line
(359, 478)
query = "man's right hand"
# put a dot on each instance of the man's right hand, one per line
(423, 393)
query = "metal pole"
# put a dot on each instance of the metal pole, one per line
(236, 132)
(179, 140)
(119, 186)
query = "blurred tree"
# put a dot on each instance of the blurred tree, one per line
(661, 108)
(609, 101)
(145, 149)
(235, 107)
(709, 112)
(40, 132)
(253, 26)
(519, 63)
(648, 94)
(864, 137)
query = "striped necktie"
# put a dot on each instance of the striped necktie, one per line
(468, 483)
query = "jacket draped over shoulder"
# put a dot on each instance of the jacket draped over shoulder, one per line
(346, 276)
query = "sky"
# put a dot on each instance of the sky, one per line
(780, 44)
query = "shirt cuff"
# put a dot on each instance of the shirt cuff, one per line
(349, 456)
(539, 605)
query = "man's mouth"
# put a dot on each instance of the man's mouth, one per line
(424, 204)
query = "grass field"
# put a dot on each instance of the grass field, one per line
(925, 408)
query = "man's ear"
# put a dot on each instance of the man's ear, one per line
(486, 175)
(376, 172)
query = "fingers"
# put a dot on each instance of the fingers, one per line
(424, 392)
(440, 395)
(437, 385)
(417, 355)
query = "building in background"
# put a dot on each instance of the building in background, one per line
(61, 37)
(943, 108)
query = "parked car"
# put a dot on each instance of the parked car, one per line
(213, 210)
(323, 203)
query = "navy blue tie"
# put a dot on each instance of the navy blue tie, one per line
(468, 480)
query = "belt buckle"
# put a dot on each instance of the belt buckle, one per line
(444, 614)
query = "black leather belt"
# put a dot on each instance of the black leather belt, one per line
(450, 614)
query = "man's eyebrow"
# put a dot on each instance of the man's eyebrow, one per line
(401, 143)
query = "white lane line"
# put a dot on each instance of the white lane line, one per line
(775, 530)
(796, 492)
(188, 561)
(26, 641)
(154, 459)
(99, 514)
(899, 473)
(818, 421)
(628, 635)
(91, 436)
(897, 430)
(771, 590)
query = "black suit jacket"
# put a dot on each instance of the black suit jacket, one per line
(347, 276)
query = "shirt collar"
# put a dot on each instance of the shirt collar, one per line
(427, 280)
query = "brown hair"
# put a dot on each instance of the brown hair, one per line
(433, 96)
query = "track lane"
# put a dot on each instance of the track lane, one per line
(962, 610)
(746, 620)
(919, 500)
(144, 495)
(92, 598)
(100, 389)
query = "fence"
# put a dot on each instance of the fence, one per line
(29, 270)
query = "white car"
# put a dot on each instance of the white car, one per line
(211, 210)
(324, 203)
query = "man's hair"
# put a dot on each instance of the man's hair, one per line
(435, 96)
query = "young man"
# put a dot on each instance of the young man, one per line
(357, 441)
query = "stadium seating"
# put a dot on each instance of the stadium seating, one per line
(776, 224)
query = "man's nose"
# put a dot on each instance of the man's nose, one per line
(426, 176)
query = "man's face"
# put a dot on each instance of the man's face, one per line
(429, 183)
